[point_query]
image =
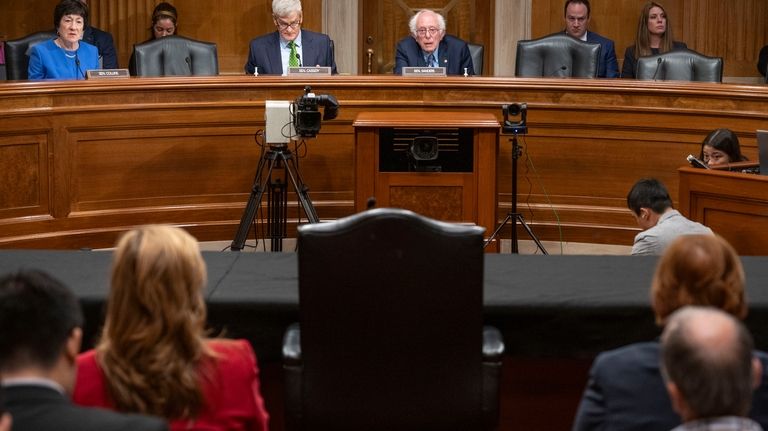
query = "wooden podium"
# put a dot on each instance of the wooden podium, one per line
(468, 196)
(733, 204)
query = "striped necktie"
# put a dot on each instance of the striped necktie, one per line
(431, 60)
(293, 58)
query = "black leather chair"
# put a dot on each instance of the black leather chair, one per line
(557, 55)
(477, 53)
(391, 332)
(683, 65)
(175, 55)
(17, 53)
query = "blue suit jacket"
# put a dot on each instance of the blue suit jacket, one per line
(626, 391)
(454, 55)
(607, 66)
(265, 53)
(103, 41)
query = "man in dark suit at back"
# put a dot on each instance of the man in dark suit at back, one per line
(40, 335)
(429, 46)
(103, 42)
(290, 45)
(576, 16)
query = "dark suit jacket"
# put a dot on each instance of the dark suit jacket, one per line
(762, 60)
(103, 41)
(630, 61)
(265, 53)
(625, 391)
(607, 66)
(40, 408)
(454, 55)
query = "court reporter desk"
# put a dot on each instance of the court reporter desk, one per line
(81, 162)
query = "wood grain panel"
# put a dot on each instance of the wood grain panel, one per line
(24, 174)
(181, 151)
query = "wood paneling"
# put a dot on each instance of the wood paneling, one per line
(181, 150)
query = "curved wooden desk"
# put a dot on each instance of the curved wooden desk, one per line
(81, 162)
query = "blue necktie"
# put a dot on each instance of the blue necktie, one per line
(431, 60)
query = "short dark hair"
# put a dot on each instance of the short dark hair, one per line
(69, 7)
(649, 193)
(37, 316)
(714, 380)
(569, 2)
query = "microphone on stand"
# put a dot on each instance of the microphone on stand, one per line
(189, 64)
(659, 62)
(77, 64)
(562, 68)
(298, 57)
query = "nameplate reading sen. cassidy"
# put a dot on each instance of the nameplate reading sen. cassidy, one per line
(424, 71)
(107, 73)
(304, 70)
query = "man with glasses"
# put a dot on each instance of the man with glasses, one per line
(290, 45)
(576, 25)
(429, 46)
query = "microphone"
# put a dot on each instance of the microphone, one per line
(298, 57)
(189, 63)
(370, 203)
(77, 64)
(562, 68)
(659, 62)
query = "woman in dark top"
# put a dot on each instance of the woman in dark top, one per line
(654, 36)
(721, 147)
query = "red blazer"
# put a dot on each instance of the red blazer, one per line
(231, 391)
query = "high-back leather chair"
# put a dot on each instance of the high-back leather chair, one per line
(17, 53)
(683, 65)
(391, 327)
(557, 55)
(477, 53)
(175, 55)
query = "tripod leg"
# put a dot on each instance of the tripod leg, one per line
(302, 191)
(498, 229)
(254, 201)
(530, 233)
(278, 212)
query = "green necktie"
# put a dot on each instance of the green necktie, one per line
(293, 57)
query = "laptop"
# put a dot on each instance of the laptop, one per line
(762, 146)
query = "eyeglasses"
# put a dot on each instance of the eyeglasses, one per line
(282, 25)
(423, 31)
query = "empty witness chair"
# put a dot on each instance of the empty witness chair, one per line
(17, 53)
(557, 55)
(684, 65)
(476, 51)
(391, 332)
(175, 55)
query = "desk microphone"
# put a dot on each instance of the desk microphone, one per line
(189, 63)
(562, 68)
(659, 62)
(298, 57)
(77, 63)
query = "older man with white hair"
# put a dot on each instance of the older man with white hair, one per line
(429, 46)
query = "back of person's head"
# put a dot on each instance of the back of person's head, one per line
(698, 270)
(707, 356)
(649, 193)
(723, 140)
(643, 35)
(285, 7)
(37, 317)
(70, 7)
(154, 333)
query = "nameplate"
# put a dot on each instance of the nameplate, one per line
(107, 73)
(317, 70)
(424, 71)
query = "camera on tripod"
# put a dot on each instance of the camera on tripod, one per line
(306, 117)
(515, 127)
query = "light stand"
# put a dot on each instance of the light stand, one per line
(278, 156)
(515, 128)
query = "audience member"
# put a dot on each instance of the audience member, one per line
(290, 45)
(710, 370)
(652, 207)
(154, 356)
(721, 147)
(40, 334)
(429, 46)
(654, 36)
(103, 42)
(66, 56)
(164, 18)
(577, 14)
(626, 390)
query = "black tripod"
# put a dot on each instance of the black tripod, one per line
(513, 215)
(278, 156)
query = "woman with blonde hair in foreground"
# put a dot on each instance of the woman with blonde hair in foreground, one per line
(153, 356)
